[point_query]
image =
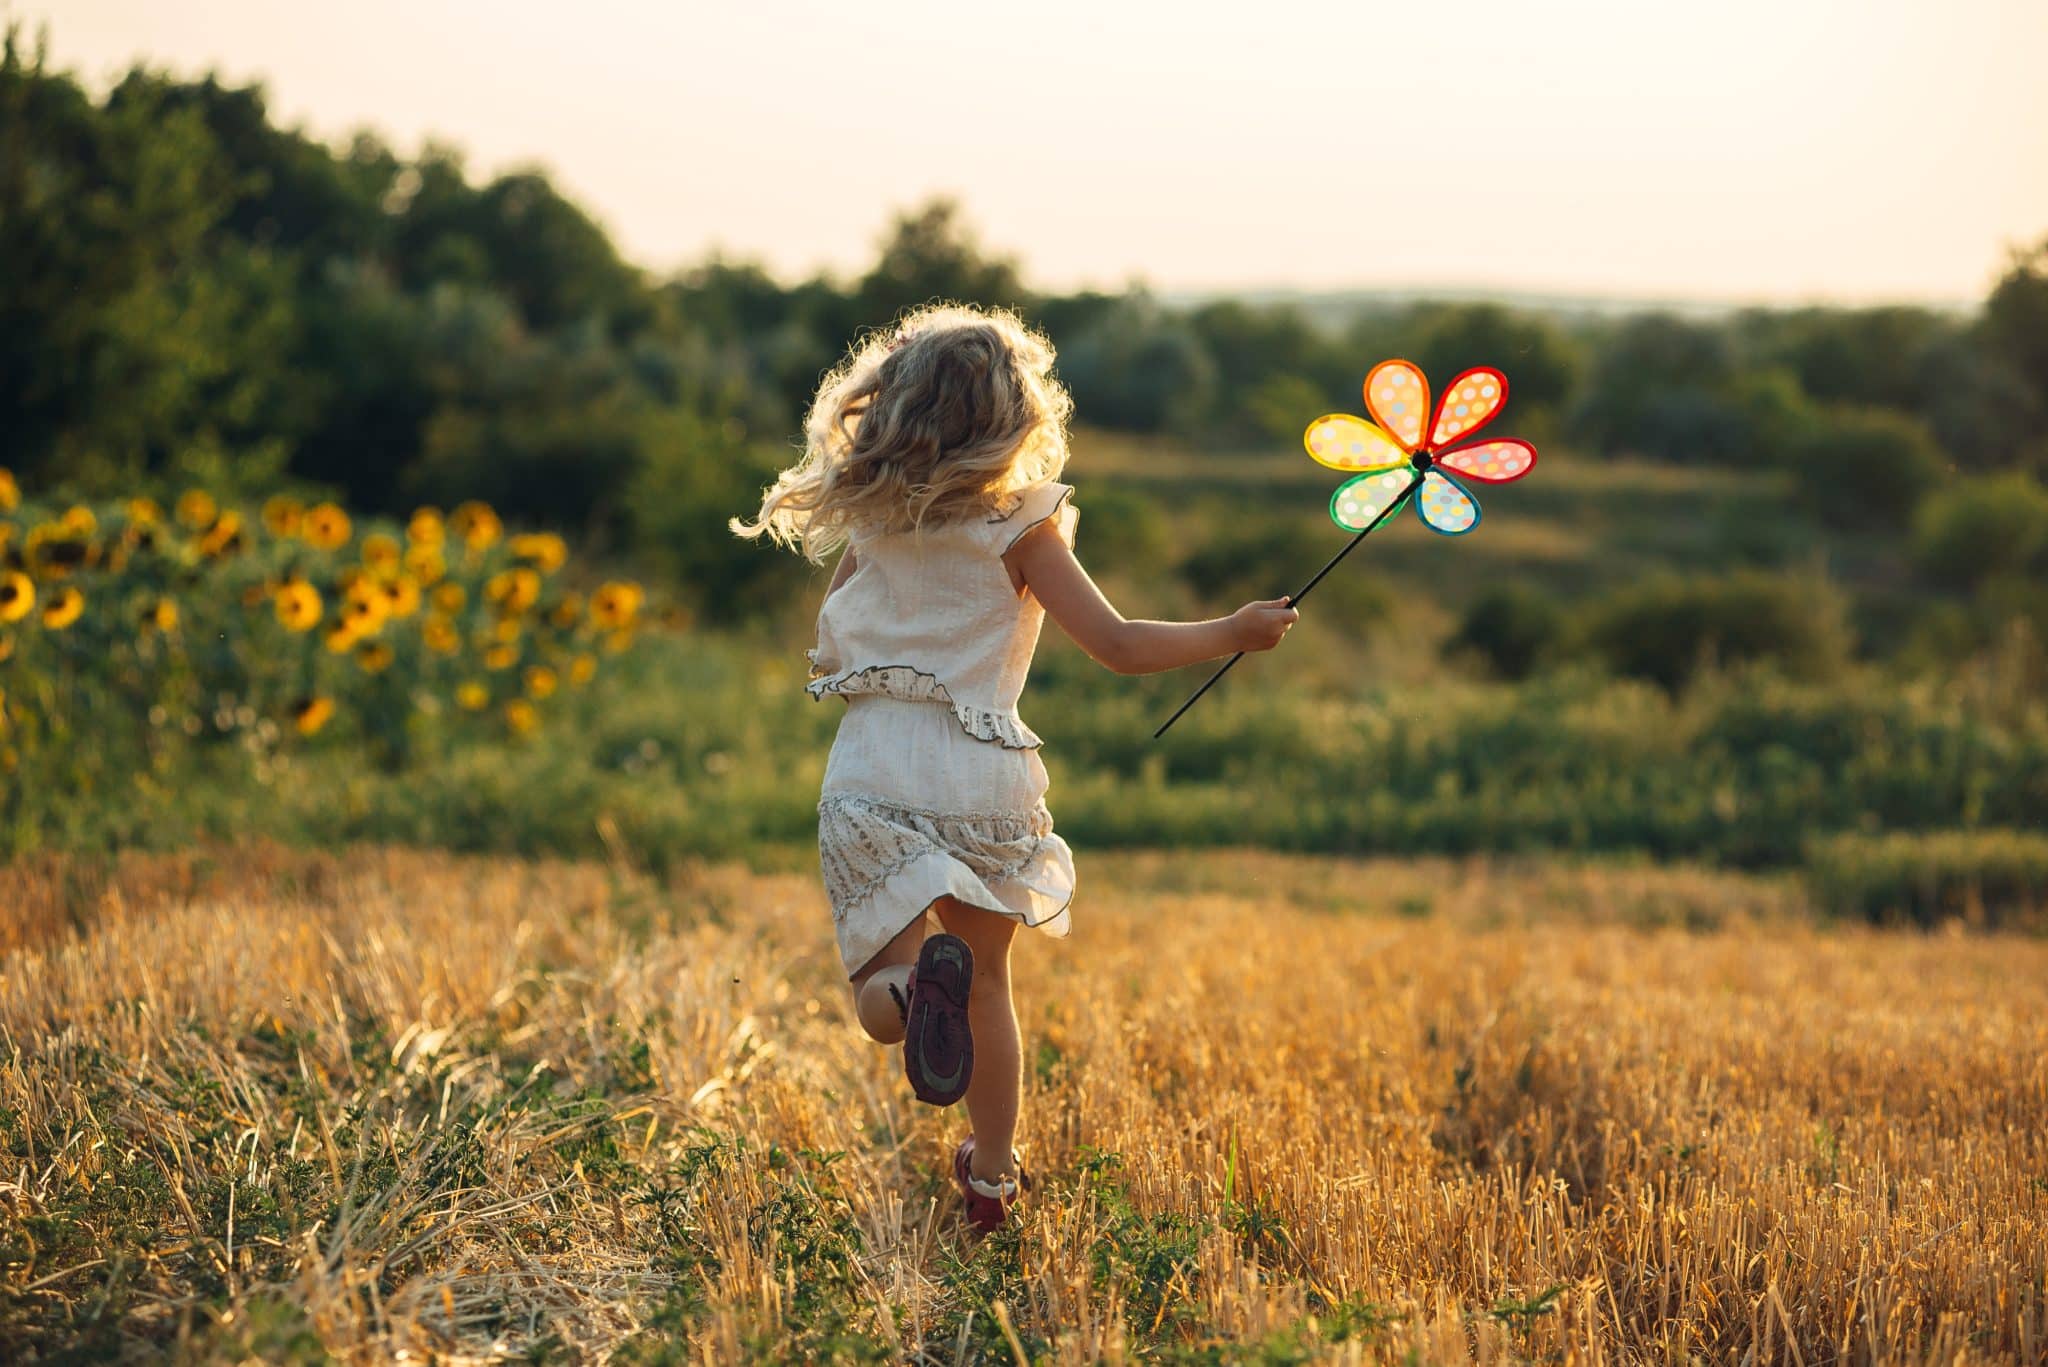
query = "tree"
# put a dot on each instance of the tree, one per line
(2016, 317)
(930, 253)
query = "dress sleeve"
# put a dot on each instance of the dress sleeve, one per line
(1028, 508)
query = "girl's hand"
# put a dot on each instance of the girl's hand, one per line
(1260, 625)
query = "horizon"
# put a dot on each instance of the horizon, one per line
(1681, 185)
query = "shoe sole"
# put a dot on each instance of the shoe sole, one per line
(945, 973)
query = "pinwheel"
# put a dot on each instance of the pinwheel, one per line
(1390, 460)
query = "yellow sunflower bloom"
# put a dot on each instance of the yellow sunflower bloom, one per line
(402, 596)
(440, 636)
(545, 551)
(615, 604)
(450, 597)
(197, 509)
(374, 658)
(426, 528)
(224, 537)
(582, 668)
(381, 553)
(310, 714)
(298, 606)
(425, 563)
(475, 525)
(326, 527)
(17, 596)
(472, 696)
(10, 492)
(160, 615)
(64, 608)
(540, 682)
(282, 515)
(144, 512)
(364, 608)
(520, 716)
(79, 521)
(500, 657)
(340, 638)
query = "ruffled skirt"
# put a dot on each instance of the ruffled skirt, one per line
(915, 809)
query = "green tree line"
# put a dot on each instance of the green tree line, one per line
(195, 293)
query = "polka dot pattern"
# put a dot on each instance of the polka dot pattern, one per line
(1343, 442)
(1495, 462)
(1362, 498)
(1445, 507)
(1397, 393)
(1468, 404)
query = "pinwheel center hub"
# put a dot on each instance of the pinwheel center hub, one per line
(1422, 460)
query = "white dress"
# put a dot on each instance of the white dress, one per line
(934, 787)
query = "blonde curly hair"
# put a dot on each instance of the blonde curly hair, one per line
(931, 422)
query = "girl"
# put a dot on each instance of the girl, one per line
(932, 456)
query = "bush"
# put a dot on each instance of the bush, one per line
(1866, 468)
(1981, 528)
(1986, 877)
(1512, 628)
(1666, 629)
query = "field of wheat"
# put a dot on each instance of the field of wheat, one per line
(387, 1105)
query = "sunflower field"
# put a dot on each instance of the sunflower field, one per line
(135, 637)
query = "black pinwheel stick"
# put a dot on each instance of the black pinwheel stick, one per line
(1294, 599)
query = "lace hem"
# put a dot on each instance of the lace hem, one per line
(863, 843)
(909, 684)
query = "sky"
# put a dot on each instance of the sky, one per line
(1774, 151)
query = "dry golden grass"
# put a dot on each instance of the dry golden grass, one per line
(390, 1104)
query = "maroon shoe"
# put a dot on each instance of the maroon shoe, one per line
(988, 1204)
(938, 1046)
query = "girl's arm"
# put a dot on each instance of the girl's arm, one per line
(1044, 563)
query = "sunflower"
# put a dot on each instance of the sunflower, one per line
(364, 608)
(566, 610)
(326, 527)
(17, 596)
(426, 528)
(472, 696)
(505, 631)
(520, 716)
(144, 512)
(79, 521)
(450, 597)
(500, 657)
(402, 596)
(160, 614)
(310, 714)
(282, 515)
(374, 657)
(298, 605)
(475, 525)
(197, 509)
(615, 604)
(543, 550)
(56, 550)
(513, 591)
(540, 682)
(10, 492)
(64, 608)
(339, 638)
(582, 668)
(425, 563)
(224, 537)
(381, 553)
(440, 636)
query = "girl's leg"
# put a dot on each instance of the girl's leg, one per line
(872, 1004)
(995, 1090)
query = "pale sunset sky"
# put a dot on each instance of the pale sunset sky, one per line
(1755, 150)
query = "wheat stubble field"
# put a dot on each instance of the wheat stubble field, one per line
(388, 1105)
